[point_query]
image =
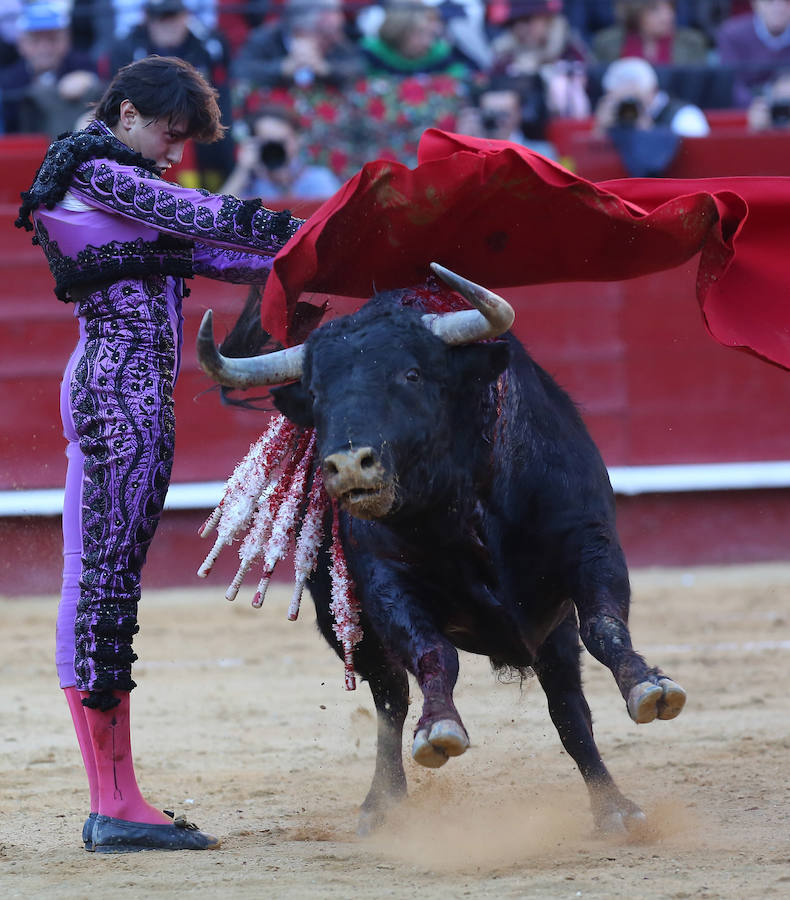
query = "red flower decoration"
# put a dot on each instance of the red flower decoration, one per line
(326, 111)
(445, 85)
(280, 97)
(412, 91)
(338, 161)
(377, 108)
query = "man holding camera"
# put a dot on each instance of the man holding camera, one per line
(632, 99)
(643, 122)
(270, 162)
(509, 109)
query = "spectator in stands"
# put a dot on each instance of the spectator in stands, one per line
(271, 163)
(757, 44)
(9, 17)
(128, 14)
(644, 122)
(465, 29)
(508, 109)
(535, 34)
(168, 29)
(707, 15)
(49, 86)
(537, 42)
(97, 24)
(632, 98)
(589, 16)
(306, 46)
(411, 40)
(771, 108)
(649, 29)
(464, 26)
(91, 25)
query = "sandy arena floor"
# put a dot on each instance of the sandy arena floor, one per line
(240, 720)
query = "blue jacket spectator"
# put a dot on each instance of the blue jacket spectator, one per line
(50, 85)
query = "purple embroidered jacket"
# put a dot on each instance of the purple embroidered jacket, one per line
(121, 221)
(119, 241)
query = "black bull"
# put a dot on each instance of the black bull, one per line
(478, 515)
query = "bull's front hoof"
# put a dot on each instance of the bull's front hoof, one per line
(648, 701)
(622, 821)
(370, 820)
(615, 814)
(446, 738)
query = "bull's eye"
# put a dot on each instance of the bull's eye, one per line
(413, 375)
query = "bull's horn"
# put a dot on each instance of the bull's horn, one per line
(465, 326)
(270, 368)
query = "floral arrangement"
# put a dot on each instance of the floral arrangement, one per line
(375, 118)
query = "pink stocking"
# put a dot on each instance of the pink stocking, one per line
(119, 795)
(77, 710)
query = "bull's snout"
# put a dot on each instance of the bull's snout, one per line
(358, 480)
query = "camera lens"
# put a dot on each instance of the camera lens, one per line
(273, 154)
(628, 111)
(490, 121)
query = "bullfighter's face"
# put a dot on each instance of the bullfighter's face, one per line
(156, 139)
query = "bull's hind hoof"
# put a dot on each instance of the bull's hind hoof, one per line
(446, 738)
(648, 701)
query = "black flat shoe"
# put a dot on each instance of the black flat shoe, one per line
(119, 836)
(87, 831)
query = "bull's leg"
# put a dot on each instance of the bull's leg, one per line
(390, 689)
(398, 638)
(440, 733)
(558, 668)
(603, 625)
(411, 636)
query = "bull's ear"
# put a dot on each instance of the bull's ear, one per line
(295, 403)
(482, 362)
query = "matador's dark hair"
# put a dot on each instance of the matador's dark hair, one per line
(164, 87)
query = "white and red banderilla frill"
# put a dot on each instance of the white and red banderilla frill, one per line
(268, 505)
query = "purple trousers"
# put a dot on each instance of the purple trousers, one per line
(117, 411)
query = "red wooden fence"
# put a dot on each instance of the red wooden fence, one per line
(654, 389)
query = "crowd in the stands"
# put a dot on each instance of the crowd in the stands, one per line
(313, 89)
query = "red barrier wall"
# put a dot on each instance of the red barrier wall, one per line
(653, 387)
(728, 150)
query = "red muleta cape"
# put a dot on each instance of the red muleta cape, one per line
(504, 216)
